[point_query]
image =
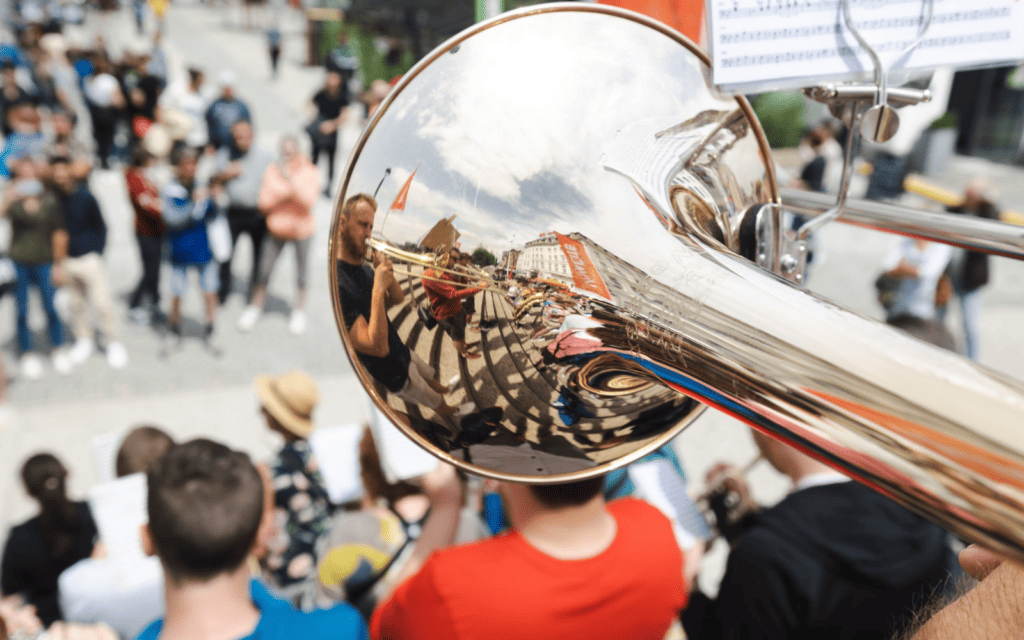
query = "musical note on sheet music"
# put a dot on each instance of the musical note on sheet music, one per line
(786, 44)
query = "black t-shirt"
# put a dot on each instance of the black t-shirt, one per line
(329, 107)
(150, 86)
(29, 568)
(836, 561)
(355, 289)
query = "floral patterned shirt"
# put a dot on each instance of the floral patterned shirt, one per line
(301, 513)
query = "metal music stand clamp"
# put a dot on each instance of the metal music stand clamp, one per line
(868, 109)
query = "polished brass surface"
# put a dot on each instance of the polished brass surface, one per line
(585, 145)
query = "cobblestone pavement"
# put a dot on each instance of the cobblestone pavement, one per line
(193, 393)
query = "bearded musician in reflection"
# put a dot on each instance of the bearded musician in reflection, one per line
(366, 293)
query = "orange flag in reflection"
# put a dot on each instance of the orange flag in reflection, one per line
(399, 203)
(584, 272)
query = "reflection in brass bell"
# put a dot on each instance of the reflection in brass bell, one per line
(604, 191)
(576, 177)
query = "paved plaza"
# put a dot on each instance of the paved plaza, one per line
(193, 393)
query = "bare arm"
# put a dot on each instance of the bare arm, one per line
(371, 338)
(443, 488)
(60, 251)
(993, 609)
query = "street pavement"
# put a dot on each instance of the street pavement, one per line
(193, 393)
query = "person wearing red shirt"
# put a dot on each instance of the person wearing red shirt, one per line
(572, 567)
(149, 231)
(446, 292)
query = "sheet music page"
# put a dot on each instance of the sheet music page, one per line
(400, 457)
(119, 508)
(787, 44)
(104, 454)
(336, 450)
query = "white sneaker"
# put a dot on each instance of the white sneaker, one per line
(248, 318)
(31, 366)
(454, 382)
(81, 351)
(117, 356)
(62, 362)
(465, 409)
(297, 323)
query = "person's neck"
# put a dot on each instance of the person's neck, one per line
(570, 533)
(218, 609)
(809, 473)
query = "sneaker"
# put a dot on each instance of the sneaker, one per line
(248, 318)
(117, 356)
(81, 351)
(464, 409)
(138, 315)
(297, 323)
(454, 382)
(62, 362)
(31, 366)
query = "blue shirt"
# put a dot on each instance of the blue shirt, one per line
(278, 620)
(185, 220)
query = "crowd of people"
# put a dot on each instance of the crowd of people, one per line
(236, 548)
(195, 176)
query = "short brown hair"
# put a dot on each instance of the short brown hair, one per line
(140, 450)
(351, 204)
(205, 502)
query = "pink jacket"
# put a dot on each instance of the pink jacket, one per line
(287, 202)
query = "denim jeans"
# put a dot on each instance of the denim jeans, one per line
(38, 275)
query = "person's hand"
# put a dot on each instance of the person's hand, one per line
(19, 617)
(725, 477)
(979, 562)
(384, 273)
(233, 171)
(442, 485)
(202, 193)
(327, 127)
(57, 275)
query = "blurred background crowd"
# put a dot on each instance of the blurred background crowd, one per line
(98, 106)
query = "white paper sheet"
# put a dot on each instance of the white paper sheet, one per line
(119, 508)
(786, 44)
(104, 454)
(400, 457)
(336, 450)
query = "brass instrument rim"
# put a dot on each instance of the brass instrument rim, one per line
(333, 250)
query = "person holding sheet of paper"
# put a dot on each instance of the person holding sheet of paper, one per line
(301, 503)
(93, 590)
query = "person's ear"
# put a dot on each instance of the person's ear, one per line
(146, 538)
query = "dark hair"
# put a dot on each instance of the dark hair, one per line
(570, 494)
(372, 474)
(353, 202)
(194, 74)
(45, 480)
(181, 153)
(140, 450)
(140, 157)
(205, 502)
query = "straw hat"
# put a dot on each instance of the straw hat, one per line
(290, 398)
